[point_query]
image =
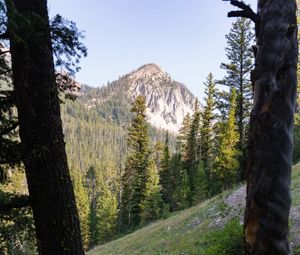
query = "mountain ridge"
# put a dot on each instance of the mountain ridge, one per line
(167, 100)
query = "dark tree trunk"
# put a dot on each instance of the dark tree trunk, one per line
(271, 127)
(50, 187)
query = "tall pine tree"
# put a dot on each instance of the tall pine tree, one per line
(152, 205)
(82, 202)
(271, 127)
(191, 157)
(207, 132)
(226, 162)
(238, 69)
(92, 184)
(183, 134)
(181, 189)
(103, 207)
(136, 169)
(49, 183)
(106, 212)
(165, 173)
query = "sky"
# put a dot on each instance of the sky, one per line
(185, 37)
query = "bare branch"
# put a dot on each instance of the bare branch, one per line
(246, 11)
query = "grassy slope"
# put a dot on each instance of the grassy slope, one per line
(183, 233)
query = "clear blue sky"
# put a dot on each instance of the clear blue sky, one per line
(185, 37)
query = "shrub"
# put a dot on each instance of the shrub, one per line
(226, 241)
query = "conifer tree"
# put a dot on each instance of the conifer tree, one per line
(137, 166)
(54, 209)
(82, 203)
(92, 182)
(106, 212)
(207, 130)
(180, 183)
(103, 207)
(191, 158)
(180, 188)
(226, 163)
(270, 145)
(151, 206)
(166, 178)
(238, 69)
(158, 153)
(183, 134)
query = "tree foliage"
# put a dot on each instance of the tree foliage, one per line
(238, 68)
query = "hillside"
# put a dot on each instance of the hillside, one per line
(92, 140)
(96, 123)
(208, 228)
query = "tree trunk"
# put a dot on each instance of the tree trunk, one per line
(50, 187)
(271, 130)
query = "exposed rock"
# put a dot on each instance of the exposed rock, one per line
(167, 101)
(295, 226)
(235, 206)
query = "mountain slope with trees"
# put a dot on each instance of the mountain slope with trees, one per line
(211, 227)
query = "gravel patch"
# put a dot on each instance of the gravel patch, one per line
(235, 206)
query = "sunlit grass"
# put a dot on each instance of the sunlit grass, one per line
(184, 233)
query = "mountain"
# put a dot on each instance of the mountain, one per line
(210, 228)
(167, 101)
(96, 123)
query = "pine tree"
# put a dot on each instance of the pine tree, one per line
(82, 202)
(183, 134)
(238, 68)
(180, 185)
(226, 162)
(207, 133)
(191, 157)
(151, 206)
(49, 183)
(92, 182)
(103, 207)
(165, 175)
(106, 212)
(136, 169)
(158, 153)
(274, 78)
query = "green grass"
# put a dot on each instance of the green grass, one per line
(187, 232)
(178, 234)
(296, 185)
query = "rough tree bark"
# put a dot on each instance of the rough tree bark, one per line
(271, 127)
(50, 187)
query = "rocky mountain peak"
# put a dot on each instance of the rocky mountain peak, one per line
(167, 101)
(152, 71)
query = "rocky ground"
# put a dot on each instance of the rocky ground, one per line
(234, 205)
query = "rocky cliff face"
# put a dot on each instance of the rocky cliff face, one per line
(167, 101)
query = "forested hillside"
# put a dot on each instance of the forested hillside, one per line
(141, 159)
(210, 228)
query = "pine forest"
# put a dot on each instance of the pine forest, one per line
(83, 167)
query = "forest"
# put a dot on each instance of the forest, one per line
(75, 176)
